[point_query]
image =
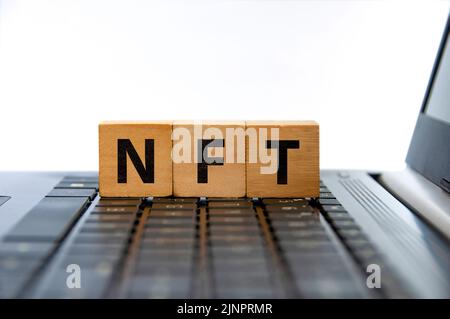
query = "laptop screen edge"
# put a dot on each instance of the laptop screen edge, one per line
(429, 150)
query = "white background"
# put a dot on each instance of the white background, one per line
(359, 68)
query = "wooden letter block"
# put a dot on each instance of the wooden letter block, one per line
(135, 159)
(296, 155)
(208, 161)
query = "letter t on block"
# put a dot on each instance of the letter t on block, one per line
(296, 150)
(135, 159)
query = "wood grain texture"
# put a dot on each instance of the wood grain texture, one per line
(137, 132)
(227, 180)
(303, 177)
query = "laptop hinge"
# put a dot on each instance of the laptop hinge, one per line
(445, 183)
(424, 197)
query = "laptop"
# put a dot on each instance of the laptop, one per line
(368, 235)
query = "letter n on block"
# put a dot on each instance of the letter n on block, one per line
(135, 159)
(295, 172)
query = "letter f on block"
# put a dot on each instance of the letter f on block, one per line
(146, 172)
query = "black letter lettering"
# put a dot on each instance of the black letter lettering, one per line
(282, 147)
(202, 166)
(147, 172)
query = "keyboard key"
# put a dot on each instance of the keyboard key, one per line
(234, 237)
(14, 273)
(246, 281)
(301, 235)
(343, 224)
(286, 224)
(114, 210)
(178, 200)
(332, 271)
(353, 233)
(77, 184)
(283, 209)
(237, 252)
(165, 224)
(174, 206)
(241, 240)
(73, 192)
(358, 244)
(230, 229)
(174, 256)
(163, 269)
(86, 179)
(99, 238)
(338, 215)
(326, 195)
(231, 211)
(162, 286)
(329, 201)
(169, 232)
(172, 213)
(105, 228)
(49, 220)
(327, 286)
(333, 208)
(96, 249)
(244, 264)
(173, 221)
(304, 216)
(119, 202)
(227, 199)
(231, 204)
(245, 293)
(117, 218)
(103, 262)
(24, 250)
(285, 201)
(168, 243)
(232, 219)
(313, 259)
(17, 265)
(301, 247)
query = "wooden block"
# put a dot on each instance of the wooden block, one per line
(219, 178)
(135, 159)
(297, 151)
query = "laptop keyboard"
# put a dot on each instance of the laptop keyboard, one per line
(187, 248)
